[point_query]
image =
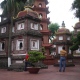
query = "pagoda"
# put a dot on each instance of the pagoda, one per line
(76, 53)
(63, 38)
(40, 7)
(26, 36)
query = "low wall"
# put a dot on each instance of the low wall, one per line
(49, 60)
(76, 60)
(3, 62)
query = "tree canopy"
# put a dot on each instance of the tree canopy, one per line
(76, 7)
(76, 42)
(53, 27)
(10, 7)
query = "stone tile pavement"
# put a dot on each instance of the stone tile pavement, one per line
(52, 73)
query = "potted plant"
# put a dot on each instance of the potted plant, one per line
(34, 58)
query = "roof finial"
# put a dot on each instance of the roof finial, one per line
(63, 24)
(27, 3)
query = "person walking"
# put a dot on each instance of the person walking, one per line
(63, 55)
(26, 61)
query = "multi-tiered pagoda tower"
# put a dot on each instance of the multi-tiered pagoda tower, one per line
(40, 7)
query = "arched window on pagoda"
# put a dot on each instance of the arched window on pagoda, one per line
(3, 45)
(34, 44)
(41, 27)
(40, 5)
(40, 15)
(20, 26)
(20, 44)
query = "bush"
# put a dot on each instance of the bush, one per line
(35, 56)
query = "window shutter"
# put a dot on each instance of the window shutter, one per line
(13, 29)
(3, 45)
(32, 27)
(3, 30)
(34, 44)
(20, 44)
(36, 26)
(20, 26)
(59, 49)
(17, 45)
(60, 37)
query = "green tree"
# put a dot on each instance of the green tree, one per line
(53, 27)
(18, 6)
(76, 42)
(76, 7)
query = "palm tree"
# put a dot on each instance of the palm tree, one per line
(18, 6)
(10, 9)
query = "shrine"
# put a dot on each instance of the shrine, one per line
(63, 38)
(76, 53)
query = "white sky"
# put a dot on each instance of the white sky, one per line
(60, 10)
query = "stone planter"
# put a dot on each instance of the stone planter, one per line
(33, 70)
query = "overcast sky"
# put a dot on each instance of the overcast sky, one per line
(60, 10)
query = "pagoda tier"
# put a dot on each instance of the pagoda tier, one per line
(45, 20)
(46, 1)
(46, 45)
(46, 32)
(41, 9)
(63, 42)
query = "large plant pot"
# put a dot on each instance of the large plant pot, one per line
(33, 70)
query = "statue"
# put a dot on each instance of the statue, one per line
(63, 24)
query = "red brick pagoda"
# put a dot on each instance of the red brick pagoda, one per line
(40, 7)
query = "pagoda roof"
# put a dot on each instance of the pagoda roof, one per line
(46, 1)
(77, 25)
(28, 11)
(63, 30)
(41, 9)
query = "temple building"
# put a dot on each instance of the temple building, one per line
(25, 36)
(63, 38)
(76, 53)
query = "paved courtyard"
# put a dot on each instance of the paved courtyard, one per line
(52, 73)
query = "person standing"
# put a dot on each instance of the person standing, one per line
(63, 55)
(26, 61)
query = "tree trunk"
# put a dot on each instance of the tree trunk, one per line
(9, 43)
